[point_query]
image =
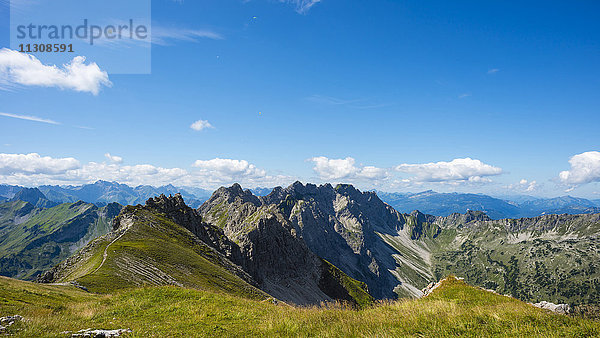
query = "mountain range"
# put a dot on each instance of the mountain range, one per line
(305, 244)
(302, 244)
(429, 202)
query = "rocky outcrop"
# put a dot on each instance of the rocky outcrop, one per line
(175, 209)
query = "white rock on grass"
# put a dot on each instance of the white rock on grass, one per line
(557, 308)
(100, 333)
(10, 320)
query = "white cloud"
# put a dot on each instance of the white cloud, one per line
(201, 125)
(464, 96)
(585, 168)
(228, 169)
(23, 69)
(334, 169)
(33, 163)
(493, 71)
(457, 170)
(338, 169)
(113, 158)
(524, 186)
(29, 118)
(372, 173)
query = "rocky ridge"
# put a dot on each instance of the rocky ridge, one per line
(267, 256)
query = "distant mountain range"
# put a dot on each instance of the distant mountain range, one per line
(429, 202)
(102, 193)
(445, 204)
(36, 236)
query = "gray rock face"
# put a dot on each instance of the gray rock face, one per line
(271, 250)
(341, 225)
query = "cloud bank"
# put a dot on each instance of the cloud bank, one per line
(33, 170)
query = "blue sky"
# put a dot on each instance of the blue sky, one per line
(391, 95)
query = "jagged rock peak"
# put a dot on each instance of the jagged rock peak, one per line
(472, 215)
(166, 204)
(230, 194)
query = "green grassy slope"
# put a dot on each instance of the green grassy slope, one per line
(353, 291)
(154, 251)
(557, 260)
(453, 309)
(34, 239)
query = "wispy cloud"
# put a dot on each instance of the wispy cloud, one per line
(29, 118)
(331, 100)
(354, 103)
(464, 96)
(493, 71)
(302, 6)
(163, 36)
